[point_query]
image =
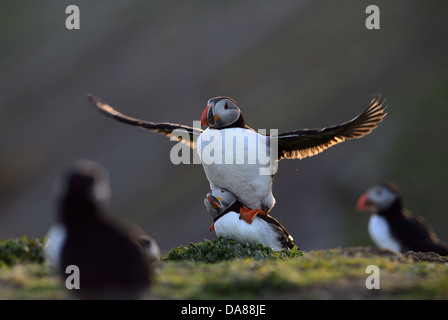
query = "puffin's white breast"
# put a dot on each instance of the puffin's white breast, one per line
(380, 233)
(238, 160)
(55, 236)
(259, 231)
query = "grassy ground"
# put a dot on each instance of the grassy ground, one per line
(327, 274)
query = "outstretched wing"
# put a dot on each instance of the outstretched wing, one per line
(184, 134)
(304, 143)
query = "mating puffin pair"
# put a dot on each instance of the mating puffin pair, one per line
(241, 197)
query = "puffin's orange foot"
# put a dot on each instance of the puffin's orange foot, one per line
(249, 215)
(212, 227)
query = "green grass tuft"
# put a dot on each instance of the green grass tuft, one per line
(21, 250)
(223, 249)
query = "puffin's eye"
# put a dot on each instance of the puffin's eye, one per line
(226, 106)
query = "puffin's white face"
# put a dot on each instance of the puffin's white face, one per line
(220, 112)
(218, 200)
(380, 197)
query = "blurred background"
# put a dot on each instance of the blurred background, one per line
(289, 64)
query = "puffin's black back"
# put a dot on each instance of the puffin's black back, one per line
(110, 262)
(283, 235)
(411, 231)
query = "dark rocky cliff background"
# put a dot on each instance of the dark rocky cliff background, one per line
(289, 64)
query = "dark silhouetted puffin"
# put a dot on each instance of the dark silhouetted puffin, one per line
(242, 161)
(108, 254)
(393, 227)
(226, 212)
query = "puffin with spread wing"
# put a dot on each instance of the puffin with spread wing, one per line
(238, 159)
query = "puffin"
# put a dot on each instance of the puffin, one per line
(226, 211)
(110, 254)
(393, 227)
(151, 249)
(245, 163)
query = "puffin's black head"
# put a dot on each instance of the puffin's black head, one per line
(219, 200)
(222, 112)
(379, 198)
(82, 190)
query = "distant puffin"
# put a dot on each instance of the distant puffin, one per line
(393, 227)
(222, 116)
(111, 262)
(226, 212)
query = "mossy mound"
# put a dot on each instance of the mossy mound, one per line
(223, 249)
(21, 250)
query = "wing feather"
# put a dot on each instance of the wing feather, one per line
(304, 143)
(185, 134)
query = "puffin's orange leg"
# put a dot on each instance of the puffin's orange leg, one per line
(212, 227)
(249, 215)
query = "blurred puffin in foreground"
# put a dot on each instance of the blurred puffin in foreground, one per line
(112, 256)
(245, 161)
(225, 210)
(393, 227)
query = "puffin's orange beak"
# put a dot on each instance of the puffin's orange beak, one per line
(362, 204)
(216, 203)
(207, 118)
